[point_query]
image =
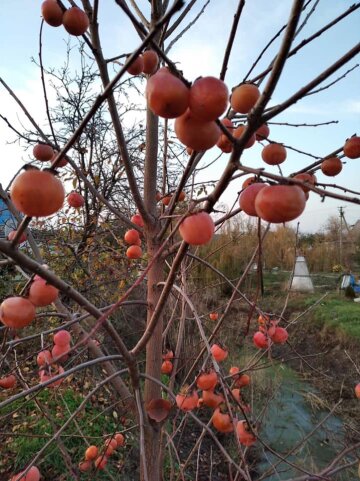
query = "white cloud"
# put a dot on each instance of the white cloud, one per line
(352, 106)
(314, 109)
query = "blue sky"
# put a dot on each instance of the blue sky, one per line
(199, 52)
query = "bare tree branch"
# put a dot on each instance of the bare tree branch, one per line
(314, 83)
(185, 29)
(231, 38)
(311, 38)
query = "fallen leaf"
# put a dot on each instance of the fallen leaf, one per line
(158, 409)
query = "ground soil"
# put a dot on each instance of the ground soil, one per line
(208, 462)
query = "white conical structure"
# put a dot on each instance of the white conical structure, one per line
(301, 280)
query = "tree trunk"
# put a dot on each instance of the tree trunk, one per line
(153, 368)
(155, 275)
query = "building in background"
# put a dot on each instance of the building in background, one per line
(7, 220)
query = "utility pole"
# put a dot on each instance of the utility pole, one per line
(342, 218)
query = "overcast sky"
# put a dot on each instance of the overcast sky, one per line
(200, 52)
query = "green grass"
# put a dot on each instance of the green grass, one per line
(335, 311)
(340, 313)
(21, 449)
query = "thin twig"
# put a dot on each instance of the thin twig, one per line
(311, 85)
(232, 35)
(311, 38)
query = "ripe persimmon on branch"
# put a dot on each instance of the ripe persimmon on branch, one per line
(110, 236)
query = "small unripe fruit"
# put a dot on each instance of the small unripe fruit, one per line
(187, 401)
(43, 152)
(197, 229)
(219, 354)
(101, 462)
(167, 95)
(85, 466)
(208, 98)
(119, 438)
(357, 390)
(111, 442)
(352, 148)
(91, 453)
(60, 353)
(8, 382)
(131, 236)
(44, 357)
(75, 200)
(75, 21)
(166, 200)
(260, 340)
(166, 367)
(331, 166)
(262, 132)
(244, 97)
(196, 134)
(52, 13)
(17, 312)
(134, 252)
(138, 220)
(279, 336)
(37, 193)
(62, 338)
(137, 66)
(273, 154)
(151, 61)
(42, 294)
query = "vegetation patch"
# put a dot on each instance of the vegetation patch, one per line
(339, 313)
(26, 428)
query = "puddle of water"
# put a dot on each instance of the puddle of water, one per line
(292, 414)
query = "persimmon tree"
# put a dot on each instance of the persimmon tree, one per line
(140, 216)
